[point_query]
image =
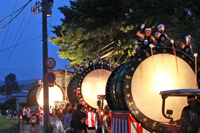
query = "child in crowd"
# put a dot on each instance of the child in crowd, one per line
(33, 121)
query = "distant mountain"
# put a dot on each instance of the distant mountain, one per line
(25, 82)
(22, 82)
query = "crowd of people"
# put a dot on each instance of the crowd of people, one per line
(148, 40)
(73, 117)
(31, 117)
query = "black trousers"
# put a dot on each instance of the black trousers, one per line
(24, 117)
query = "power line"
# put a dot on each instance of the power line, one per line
(20, 43)
(8, 28)
(12, 14)
(24, 44)
(15, 16)
(15, 38)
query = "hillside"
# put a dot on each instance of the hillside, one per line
(23, 82)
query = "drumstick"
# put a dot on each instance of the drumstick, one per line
(195, 55)
(175, 57)
(144, 24)
(174, 51)
(152, 46)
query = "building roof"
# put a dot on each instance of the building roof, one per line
(21, 99)
(4, 98)
(21, 94)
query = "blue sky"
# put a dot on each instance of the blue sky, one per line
(21, 41)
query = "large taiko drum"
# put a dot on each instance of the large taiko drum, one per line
(35, 95)
(114, 93)
(91, 83)
(147, 74)
(71, 90)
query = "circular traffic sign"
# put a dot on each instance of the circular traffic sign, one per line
(50, 77)
(50, 63)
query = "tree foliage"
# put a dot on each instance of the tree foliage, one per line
(9, 104)
(11, 84)
(93, 27)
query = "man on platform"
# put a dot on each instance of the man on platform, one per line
(147, 37)
(161, 37)
(190, 116)
(186, 46)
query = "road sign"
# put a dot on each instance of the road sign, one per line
(50, 63)
(50, 77)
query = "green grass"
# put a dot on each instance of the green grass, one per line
(7, 125)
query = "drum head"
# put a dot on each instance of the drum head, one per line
(148, 75)
(91, 84)
(55, 94)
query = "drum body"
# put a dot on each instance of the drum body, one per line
(142, 79)
(114, 89)
(71, 90)
(35, 95)
(92, 82)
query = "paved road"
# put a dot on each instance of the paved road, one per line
(26, 128)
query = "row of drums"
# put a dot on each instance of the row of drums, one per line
(135, 85)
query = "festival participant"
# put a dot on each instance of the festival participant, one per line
(116, 65)
(66, 109)
(78, 119)
(50, 111)
(60, 111)
(190, 116)
(90, 62)
(161, 37)
(147, 37)
(28, 115)
(23, 114)
(186, 46)
(73, 106)
(107, 62)
(67, 120)
(56, 110)
(33, 121)
(82, 67)
(98, 60)
(37, 114)
(85, 126)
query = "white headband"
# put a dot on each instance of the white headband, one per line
(148, 29)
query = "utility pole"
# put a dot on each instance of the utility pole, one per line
(45, 8)
(45, 56)
(66, 82)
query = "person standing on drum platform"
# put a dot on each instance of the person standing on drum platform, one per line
(147, 37)
(186, 46)
(190, 119)
(161, 37)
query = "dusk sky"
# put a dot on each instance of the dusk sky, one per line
(21, 40)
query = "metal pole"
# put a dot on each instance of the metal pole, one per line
(66, 82)
(45, 56)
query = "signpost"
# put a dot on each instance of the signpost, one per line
(50, 77)
(50, 63)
